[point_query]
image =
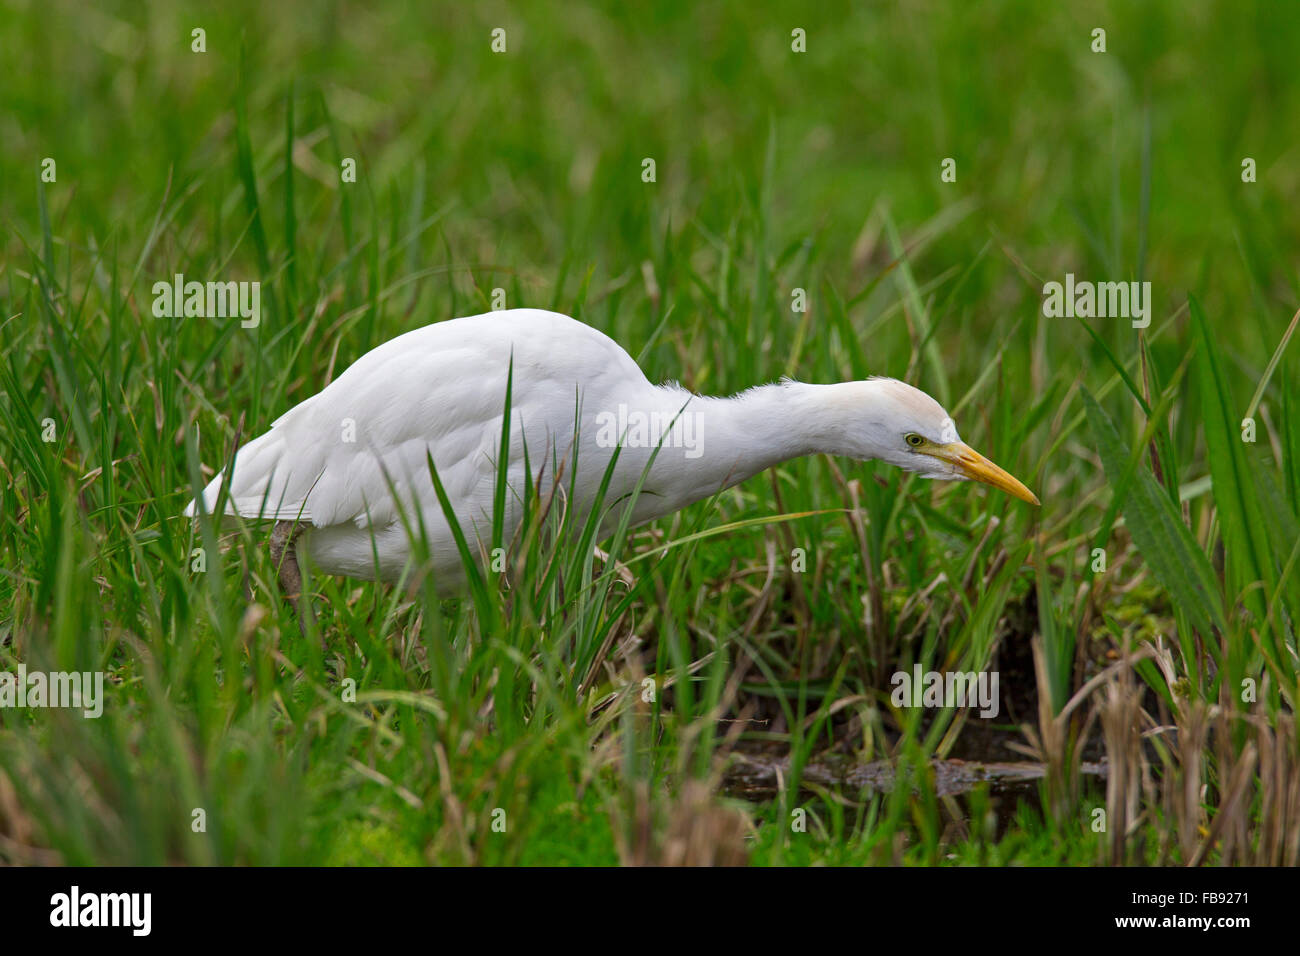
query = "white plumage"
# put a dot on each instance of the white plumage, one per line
(331, 463)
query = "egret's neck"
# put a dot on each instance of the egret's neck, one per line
(792, 419)
(741, 436)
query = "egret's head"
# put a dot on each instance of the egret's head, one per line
(910, 429)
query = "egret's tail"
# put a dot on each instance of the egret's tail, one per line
(209, 498)
(261, 486)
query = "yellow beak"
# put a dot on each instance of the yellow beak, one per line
(971, 464)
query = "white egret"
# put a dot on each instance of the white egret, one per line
(336, 470)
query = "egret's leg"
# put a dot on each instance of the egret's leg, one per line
(283, 554)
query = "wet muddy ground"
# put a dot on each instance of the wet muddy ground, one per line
(758, 777)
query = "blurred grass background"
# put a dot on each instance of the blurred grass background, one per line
(522, 170)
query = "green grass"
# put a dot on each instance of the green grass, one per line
(776, 171)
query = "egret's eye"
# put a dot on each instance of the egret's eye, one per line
(914, 440)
